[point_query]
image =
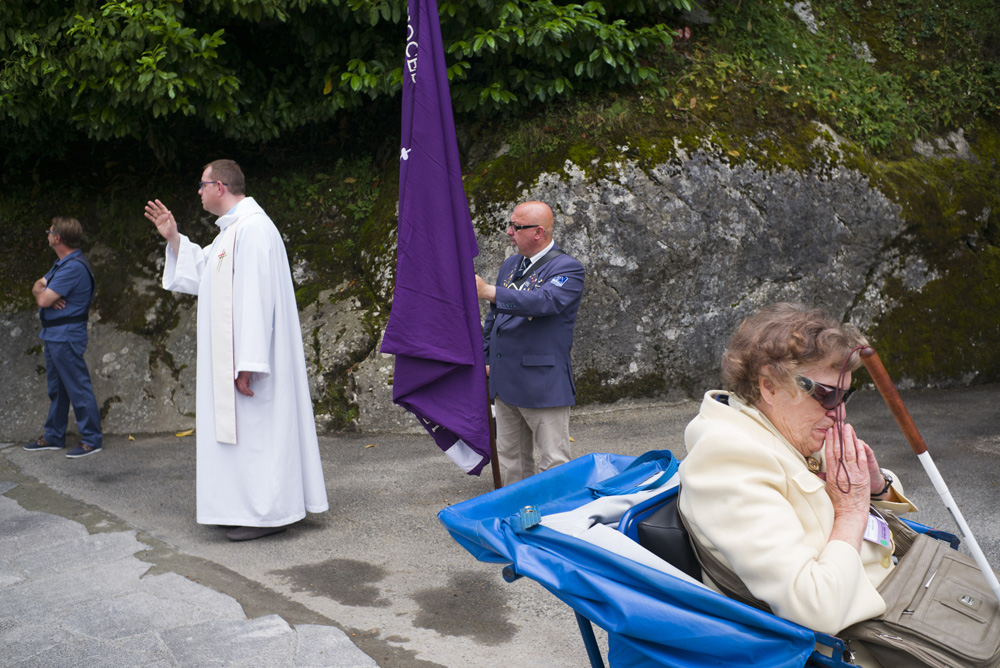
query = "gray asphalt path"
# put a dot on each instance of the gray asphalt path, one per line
(102, 562)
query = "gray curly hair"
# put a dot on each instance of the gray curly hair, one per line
(784, 337)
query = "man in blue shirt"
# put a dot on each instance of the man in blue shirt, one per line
(64, 295)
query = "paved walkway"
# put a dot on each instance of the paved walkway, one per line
(103, 564)
(74, 598)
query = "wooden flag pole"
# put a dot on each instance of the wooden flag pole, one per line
(905, 422)
(497, 484)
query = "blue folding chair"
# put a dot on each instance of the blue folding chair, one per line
(652, 618)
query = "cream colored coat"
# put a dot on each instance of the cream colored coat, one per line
(749, 496)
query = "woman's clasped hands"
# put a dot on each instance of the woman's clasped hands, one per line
(851, 468)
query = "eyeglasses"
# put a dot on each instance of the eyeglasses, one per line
(828, 397)
(522, 227)
(48, 231)
(202, 184)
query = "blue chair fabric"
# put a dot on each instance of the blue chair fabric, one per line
(653, 619)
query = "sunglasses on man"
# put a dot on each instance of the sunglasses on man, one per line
(828, 397)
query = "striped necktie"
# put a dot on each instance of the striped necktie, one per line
(525, 263)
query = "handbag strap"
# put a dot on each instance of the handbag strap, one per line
(722, 575)
(902, 534)
(731, 584)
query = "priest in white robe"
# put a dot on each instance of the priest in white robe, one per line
(258, 460)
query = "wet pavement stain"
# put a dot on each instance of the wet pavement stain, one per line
(344, 580)
(471, 605)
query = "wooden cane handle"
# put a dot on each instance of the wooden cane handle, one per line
(893, 400)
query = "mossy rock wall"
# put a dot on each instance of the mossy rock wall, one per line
(682, 237)
(680, 247)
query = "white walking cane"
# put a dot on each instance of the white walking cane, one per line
(905, 422)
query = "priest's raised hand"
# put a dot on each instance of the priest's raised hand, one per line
(166, 225)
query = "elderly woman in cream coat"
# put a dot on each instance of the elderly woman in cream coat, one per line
(766, 486)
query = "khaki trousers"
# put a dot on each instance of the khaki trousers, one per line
(521, 430)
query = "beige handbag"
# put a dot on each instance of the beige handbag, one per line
(940, 612)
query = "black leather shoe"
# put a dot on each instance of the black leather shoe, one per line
(252, 533)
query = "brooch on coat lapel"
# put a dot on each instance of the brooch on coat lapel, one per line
(532, 283)
(509, 281)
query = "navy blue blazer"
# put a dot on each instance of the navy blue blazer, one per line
(528, 333)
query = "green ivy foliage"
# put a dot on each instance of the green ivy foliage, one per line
(254, 70)
(883, 73)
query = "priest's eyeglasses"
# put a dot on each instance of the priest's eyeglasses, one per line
(828, 397)
(202, 184)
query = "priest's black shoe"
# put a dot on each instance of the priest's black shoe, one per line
(252, 533)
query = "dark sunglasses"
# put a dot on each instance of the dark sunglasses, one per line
(828, 397)
(522, 227)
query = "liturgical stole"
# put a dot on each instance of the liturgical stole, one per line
(223, 355)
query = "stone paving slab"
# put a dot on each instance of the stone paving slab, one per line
(325, 646)
(267, 641)
(173, 587)
(71, 556)
(71, 598)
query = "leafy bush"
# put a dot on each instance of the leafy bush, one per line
(255, 70)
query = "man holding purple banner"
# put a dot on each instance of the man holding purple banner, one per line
(527, 339)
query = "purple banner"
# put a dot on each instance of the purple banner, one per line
(434, 328)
